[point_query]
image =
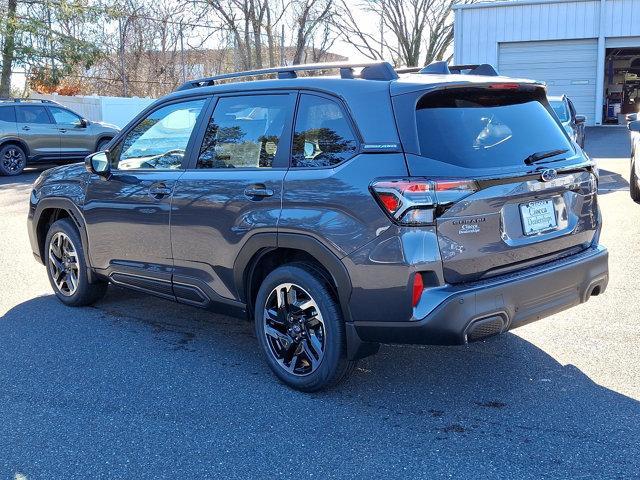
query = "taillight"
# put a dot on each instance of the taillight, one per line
(504, 86)
(418, 201)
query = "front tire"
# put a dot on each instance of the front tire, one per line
(102, 144)
(634, 188)
(67, 268)
(300, 328)
(13, 159)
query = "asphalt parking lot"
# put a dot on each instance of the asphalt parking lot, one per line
(138, 387)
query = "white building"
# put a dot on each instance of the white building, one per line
(586, 49)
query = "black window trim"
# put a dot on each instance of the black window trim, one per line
(572, 110)
(51, 119)
(49, 107)
(348, 117)
(154, 108)
(280, 162)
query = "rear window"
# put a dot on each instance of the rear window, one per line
(7, 114)
(561, 109)
(482, 128)
(33, 114)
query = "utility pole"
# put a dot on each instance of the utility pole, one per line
(283, 60)
(51, 46)
(123, 72)
(8, 49)
(184, 67)
(235, 54)
(382, 31)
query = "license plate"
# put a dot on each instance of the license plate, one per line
(538, 216)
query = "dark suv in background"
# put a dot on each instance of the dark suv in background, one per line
(35, 130)
(573, 123)
(337, 213)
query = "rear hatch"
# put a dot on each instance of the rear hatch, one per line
(511, 189)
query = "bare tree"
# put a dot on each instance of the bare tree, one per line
(307, 17)
(413, 32)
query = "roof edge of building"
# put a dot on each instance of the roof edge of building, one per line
(512, 3)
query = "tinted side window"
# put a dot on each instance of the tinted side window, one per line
(60, 115)
(322, 136)
(7, 114)
(159, 141)
(32, 114)
(244, 132)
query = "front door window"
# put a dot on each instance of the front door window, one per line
(159, 141)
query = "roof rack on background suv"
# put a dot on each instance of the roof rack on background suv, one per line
(20, 100)
(370, 71)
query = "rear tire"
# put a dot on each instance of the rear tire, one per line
(66, 266)
(102, 144)
(634, 188)
(13, 159)
(300, 328)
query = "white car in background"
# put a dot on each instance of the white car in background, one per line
(634, 177)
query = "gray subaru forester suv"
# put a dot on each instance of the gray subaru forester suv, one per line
(336, 213)
(34, 130)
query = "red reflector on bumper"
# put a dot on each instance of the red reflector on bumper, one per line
(418, 287)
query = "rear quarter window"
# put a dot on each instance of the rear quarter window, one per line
(7, 114)
(482, 128)
(322, 135)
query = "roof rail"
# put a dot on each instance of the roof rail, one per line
(408, 70)
(20, 100)
(370, 71)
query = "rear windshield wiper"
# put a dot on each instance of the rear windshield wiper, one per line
(536, 157)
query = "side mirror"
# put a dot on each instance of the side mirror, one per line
(580, 119)
(84, 123)
(634, 126)
(98, 164)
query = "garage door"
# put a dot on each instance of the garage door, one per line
(566, 66)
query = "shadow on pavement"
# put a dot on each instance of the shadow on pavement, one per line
(611, 182)
(136, 376)
(24, 180)
(607, 142)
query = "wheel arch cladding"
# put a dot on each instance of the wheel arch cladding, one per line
(52, 209)
(47, 217)
(17, 142)
(263, 254)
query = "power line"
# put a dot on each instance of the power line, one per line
(135, 16)
(107, 79)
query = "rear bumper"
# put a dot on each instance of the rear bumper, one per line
(458, 314)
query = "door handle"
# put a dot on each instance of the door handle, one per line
(62, 130)
(258, 190)
(26, 127)
(159, 190)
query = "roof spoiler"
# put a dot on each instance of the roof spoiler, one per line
(443, 68)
